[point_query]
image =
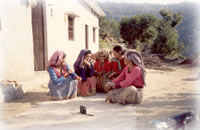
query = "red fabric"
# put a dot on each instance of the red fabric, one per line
(126, 79)
(58, 72)
(86, 87)
(102, 68)
(115, 68)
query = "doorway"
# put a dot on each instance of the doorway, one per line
(39, 44)
(86, 36)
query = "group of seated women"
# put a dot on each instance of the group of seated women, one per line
(120, 73)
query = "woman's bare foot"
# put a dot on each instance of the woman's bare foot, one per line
(72, 97)
(108, 100)
(58, 99)
(93, 91)
(88, 94)
(53, 99)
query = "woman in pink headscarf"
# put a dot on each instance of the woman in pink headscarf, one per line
(63, 82)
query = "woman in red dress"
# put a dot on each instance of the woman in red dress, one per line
(117, 62)
(101, 68)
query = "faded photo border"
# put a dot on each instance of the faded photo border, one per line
(132, 122)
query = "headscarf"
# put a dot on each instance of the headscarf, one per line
(56, 58)
(80, 58)
(136, 58)
(118, 62)
(104, 53)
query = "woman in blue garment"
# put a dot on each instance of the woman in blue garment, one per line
(63, 82)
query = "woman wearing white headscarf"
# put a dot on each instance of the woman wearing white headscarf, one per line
(128, 86)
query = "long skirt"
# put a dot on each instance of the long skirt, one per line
(129, 95)
(104, 80)
(101, 83)
(64, 90)
(88, 87)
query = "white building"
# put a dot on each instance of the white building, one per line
(29, 36)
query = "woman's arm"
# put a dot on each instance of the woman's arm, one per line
(71, 73)
(54, 77)
(120, 78)
(135, 73)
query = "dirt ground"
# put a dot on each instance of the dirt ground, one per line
(30, 99)
(170, 90)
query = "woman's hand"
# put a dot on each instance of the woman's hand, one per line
(111, 74)
(66, 74)
(70, 71)
(109, 86)
(79, 78)
(86, 62)
(100, 73)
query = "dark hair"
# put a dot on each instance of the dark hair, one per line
(119, 49)
(64, 55)
(88, 52)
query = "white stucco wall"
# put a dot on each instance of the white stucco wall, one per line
(16, 46)
(16, 41)
(57, 28)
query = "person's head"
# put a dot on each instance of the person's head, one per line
(57, 59)
(103, 55)
(132, 56)
(118, 51)
(88, 55)
(95, 56)
(84, 54)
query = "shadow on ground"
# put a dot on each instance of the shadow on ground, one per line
(65, 114)
(170, 104)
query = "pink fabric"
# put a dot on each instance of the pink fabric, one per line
(86, 87)
(126, 79)
(58, 55)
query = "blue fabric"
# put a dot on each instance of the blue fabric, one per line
(62, 87)
(118, 62)
(65, 89)
(57, 80)
(54, 77)
(85, 72)
(72, 75)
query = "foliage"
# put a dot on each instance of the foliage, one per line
(167, 39)
(166, 42)
(145, 32)
(108, 28)
(140, 29)
(105, 45)
(187, 29)
(171, 19)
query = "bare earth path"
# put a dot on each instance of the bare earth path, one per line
(168, 92)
